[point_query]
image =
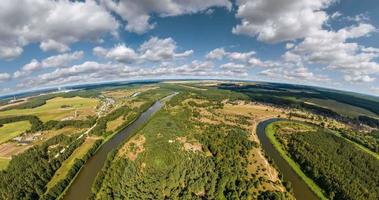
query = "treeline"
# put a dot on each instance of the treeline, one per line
(338, 167)
(28, 173)
(58, 188)
(369, 121)
(101, 126)
(53, 124)
(36, 123)
(365, 139)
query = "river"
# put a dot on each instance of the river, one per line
(300, 188)
(81, 186)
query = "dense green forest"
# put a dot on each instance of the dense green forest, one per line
(341, 169)
(28, 173)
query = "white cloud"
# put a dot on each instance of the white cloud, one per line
(120, 53)
(216, 54)
(53, 24)
(247, 58)
(234, 67)
(275, 21)
(61, 60)
(153, 50)
(4, 77)
(331, 48)
(298, 74)
(50, 45)
(220, 53)
(137, 13)
(157, 49)
(358, 78)
(93, 72)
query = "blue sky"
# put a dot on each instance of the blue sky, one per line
(326, 43)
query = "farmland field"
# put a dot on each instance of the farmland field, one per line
(59, 108)
(11, 130)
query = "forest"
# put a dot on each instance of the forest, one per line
(28, 173)
(341, 169)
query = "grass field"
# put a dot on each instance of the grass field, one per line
(341, 108)
(11, 130)
(58, 108)
(4, 163)
(270, 131)
(67, 164)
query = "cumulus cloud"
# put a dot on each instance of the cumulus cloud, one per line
(247, 58)
(220, 53)
(332, 48)
(299, 74)
(50, 45)
(120, 53)
(235, 67)
(276, 21)
(153, 50)
(137, 13)
(4, 77)
(94, 71)
(216, 54)
(61, 60)
(52, 24)
(358, 78)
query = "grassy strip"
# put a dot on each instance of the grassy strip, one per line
(4, 163)
(270, 131)
(79, 153)
(73, 173)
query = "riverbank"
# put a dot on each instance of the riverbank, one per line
(80, 188)
(270, 131)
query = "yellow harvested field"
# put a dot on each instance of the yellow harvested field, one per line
(70, 161)
(11, 130)
(59, 108)
(113, 125)
(9, 149)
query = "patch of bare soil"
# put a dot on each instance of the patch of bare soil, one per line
(132, 148)
(190, 145)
